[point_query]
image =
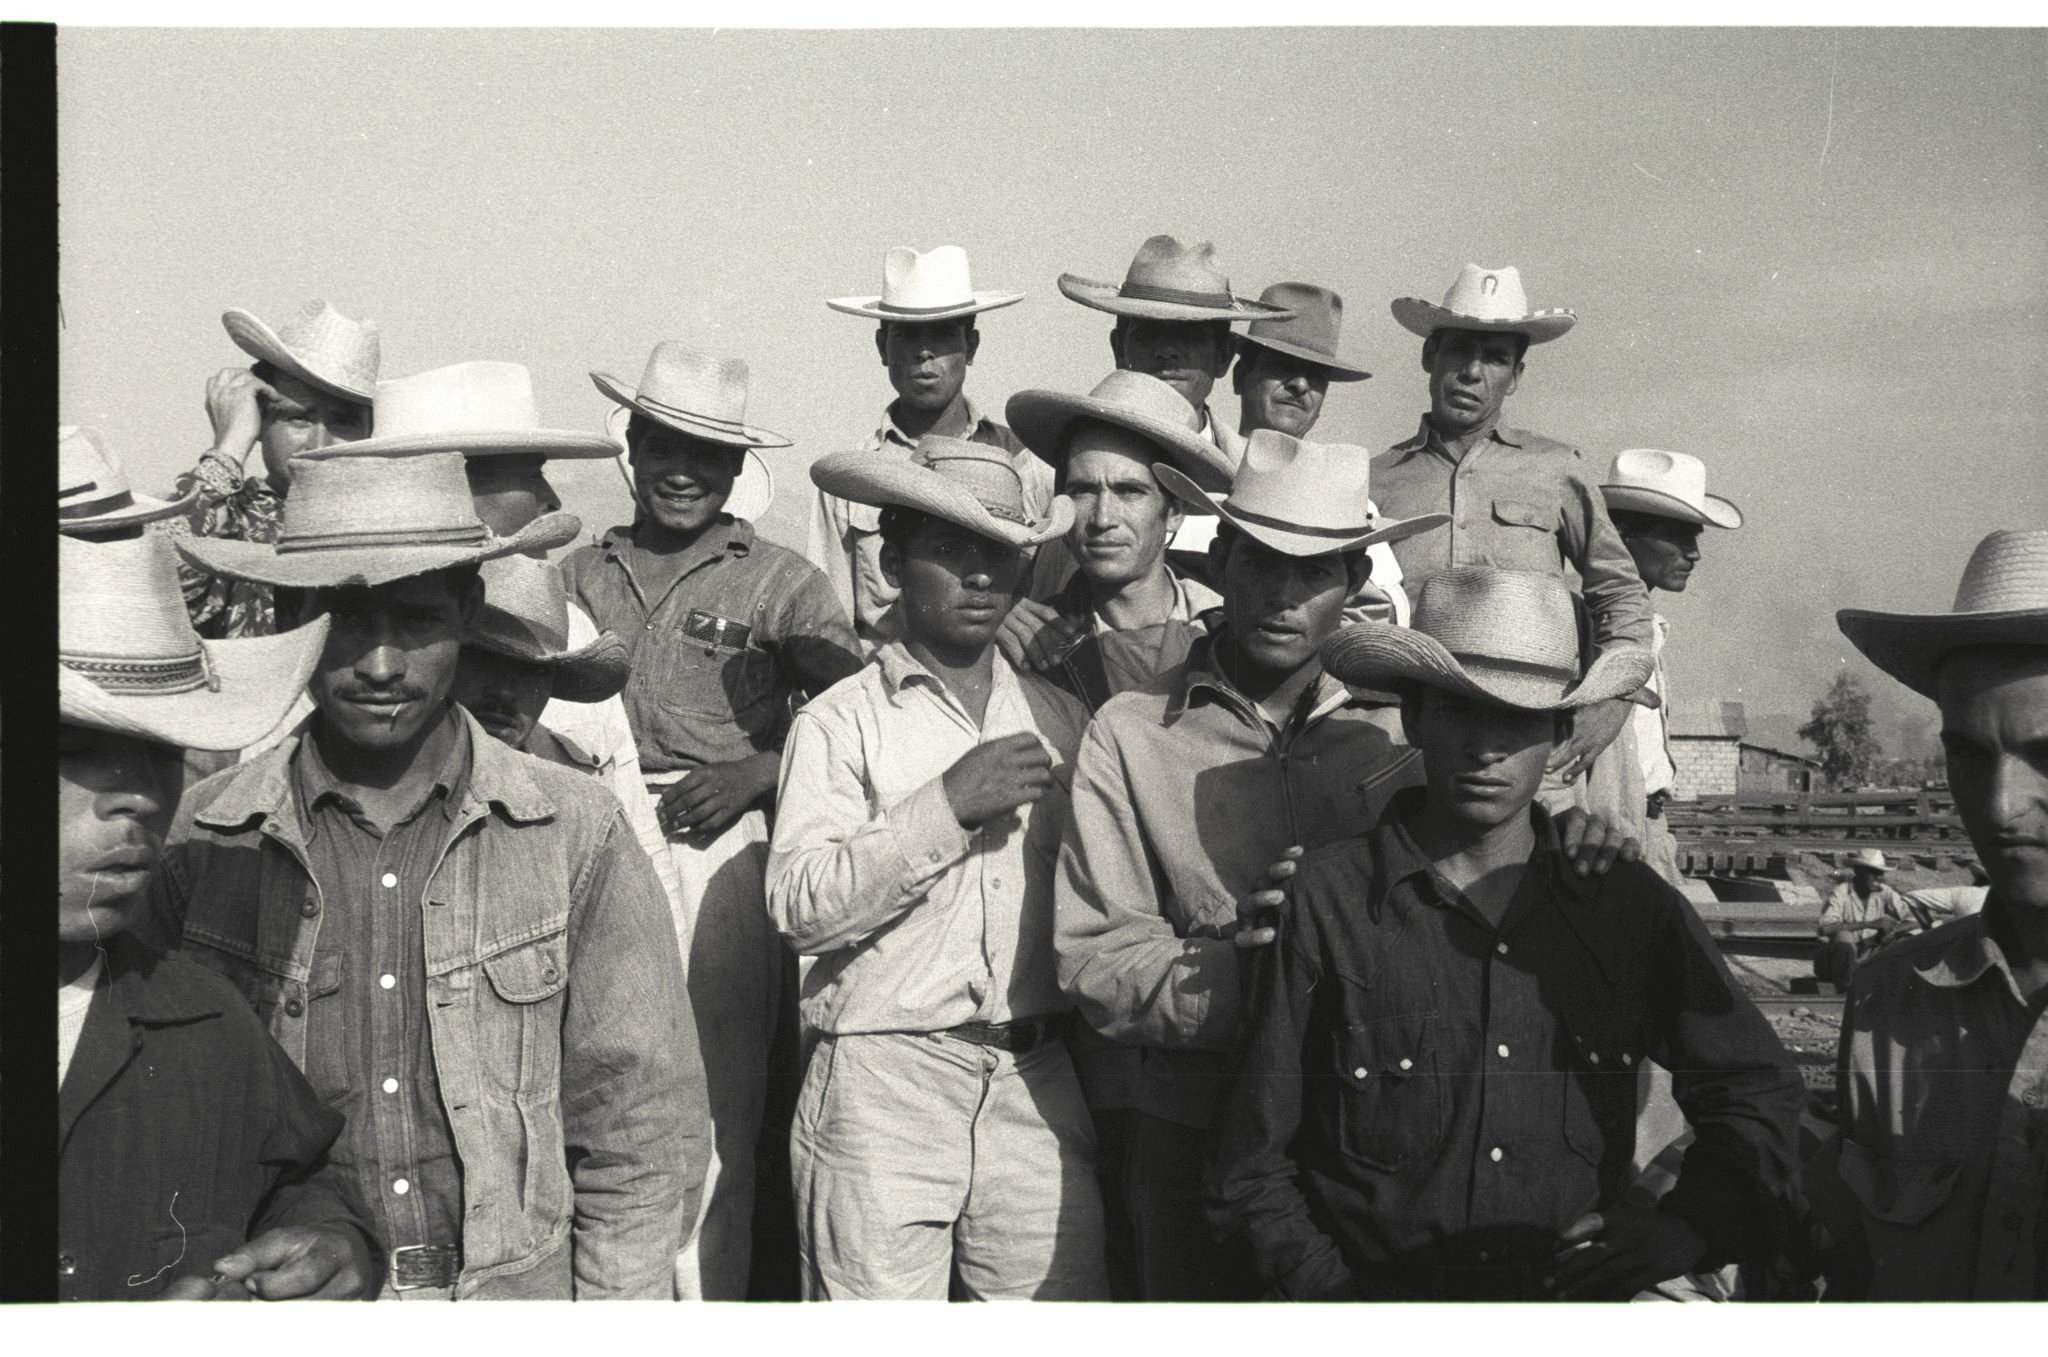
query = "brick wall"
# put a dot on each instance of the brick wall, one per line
(1704, 766)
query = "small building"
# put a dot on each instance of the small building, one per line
(1712, 756)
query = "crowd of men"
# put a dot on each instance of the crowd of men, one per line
(1118, 857)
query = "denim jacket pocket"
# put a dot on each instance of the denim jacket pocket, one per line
(522, 1035)
(711, 681)
(1389, 1098)
(1600, 1088)
(1903, 1192)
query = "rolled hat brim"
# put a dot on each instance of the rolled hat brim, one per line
(1339, 370)
(366, 567)
(1911, 646)
(1426, 318)
(591, 674)
(1291, 539)
(142, 509)
(258, 679)
(1382, 655)
(697, 426)
(1105, 297)
(550, 443)
(259, 341)
(1041, 419)
(872, 308)
(1719, 512)
(873, 479)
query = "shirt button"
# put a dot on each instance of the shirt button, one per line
(1407, 1064)
(310, 908)
(387, 981)
(1485, 1257)
(390, 880)
(400, 1186)
(1503, 1049)
(294, 1007)
(1593, 1056)
(1496, 1154)
(1627, 1059)
(391, 1086)
(1359, 1073)
(1501, 947)
(2032, 1097)
(66, 1265)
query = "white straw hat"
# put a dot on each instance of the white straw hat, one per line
(129, 662)
(1871, 858)
(1136, 401)
(1484, 299)
(477, 408)
(2002, 600)
(92, 487)
(319, 346)
(693, 393)
(971, 484)
(1170, 280)
(1297, 497)
(1669, 484)
(921, 286)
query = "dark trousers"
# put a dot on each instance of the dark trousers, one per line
(1177, 1255)
(1835, 962)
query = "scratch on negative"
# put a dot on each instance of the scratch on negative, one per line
(1646, 174)
(1827, 138)
(137, 1279)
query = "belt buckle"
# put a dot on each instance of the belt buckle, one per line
(417, 1265)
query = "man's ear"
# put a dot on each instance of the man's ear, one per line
(1411, 714)
(1238, 373)
(1227, 350)
(1429, 347)
(972, 342)
(471, 602)
(1360, 567)
(1176, 514)
(882, 342)
(1514, 379)
(1116, 341)
(1219, 553)
(891, 561)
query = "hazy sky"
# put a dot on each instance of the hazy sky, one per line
(1814, 258)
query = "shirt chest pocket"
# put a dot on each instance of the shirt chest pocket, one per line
(1525, 535)
(1603, 1066)
(521, 1025)
(1899, 1192)
(709, 667)
(1389, 1095)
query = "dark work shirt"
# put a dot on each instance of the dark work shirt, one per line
(1418, 1088)
(368, 1050)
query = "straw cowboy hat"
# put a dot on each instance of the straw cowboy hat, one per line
(480, 409)
(92, 487)
(693, 393)
(129, 662)
(361, 519)
(1484, 299)
(1505, 636)
(2002, 601)
(1311, 333)
(918, 286)
(1870, 859)
(320, 346)
(1300, 498)
(970, 484)
(1669, 484)
(1136, 401)
(1170, 280)
(526, 617)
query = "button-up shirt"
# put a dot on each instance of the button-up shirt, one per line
(1419, 1087)
(368, 1051)
(1939, 1177)
(1185, 792)
(1652, 725)
(717, 657)
(918, 924)
(1845, 906)
(845, 540)
(235, 508)
(1517, 501)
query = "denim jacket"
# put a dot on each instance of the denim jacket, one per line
(562, 1034)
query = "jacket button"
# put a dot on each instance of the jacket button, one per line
(548, 975)
(66, 1265)
(310, 908)
(294, 1007)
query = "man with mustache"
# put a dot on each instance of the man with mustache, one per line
(462, 947)
(1517, 500)
(927, 339)
(191, 1153)
(941, 1145)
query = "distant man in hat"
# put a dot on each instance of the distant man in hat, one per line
(1434, 1096)
(461, 946)
(941, 1144)
(191, 1152)
(727, 632)
(1936, 1187)
(311, 386)
(1861, 915)
(926, 338)
(1517, 500)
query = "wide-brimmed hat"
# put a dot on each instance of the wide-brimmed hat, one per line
(320, 346)
(1311, 333)
(1300, 498)
(920, 286)
(753, 490)
(1484, 299)
(92, 487)
(480, 409)
(1871, 859)
(971, 484)
(1669, 484)
(526, 617)
(2002, 600)
(129, 662)
(361, 519)
(693, 393)
(1136, 401)
(1169, 280)
(1505, 636)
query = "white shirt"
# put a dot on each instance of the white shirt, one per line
(600, 730)
(73, 1001)
(1653, 750)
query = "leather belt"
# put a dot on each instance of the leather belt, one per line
(417, 1265)
(1016, 1036)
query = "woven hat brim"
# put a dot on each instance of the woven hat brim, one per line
(868, 478)
(1426, 318)
(590, 674)
(872, 308)
(744, 436)
(1911, 646)
(259, 341)
(146, 509)
(1380, 654)
(1041, 419)
(550, 443)
(1339, 370)
(1719, 512)
(260, 678)
(1280, 539)
(1103, 297)
(366, 567)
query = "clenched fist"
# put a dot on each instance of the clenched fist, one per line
(995, 778)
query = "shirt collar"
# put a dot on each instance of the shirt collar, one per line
(144, 989)
(892, 432)
(1199, 672)
(319, 785)
(1965, 952)
(1426, 437)
(728, 536)
(1403, 858)
(899, 669)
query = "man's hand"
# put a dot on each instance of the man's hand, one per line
(1594, 727)
(1258, 915)
(318, 1262)
(995, 778)
(202, 1288)
(1034, 636)
(1593, 842)
(716, 794)
(1614, 1254)
(234, 402)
